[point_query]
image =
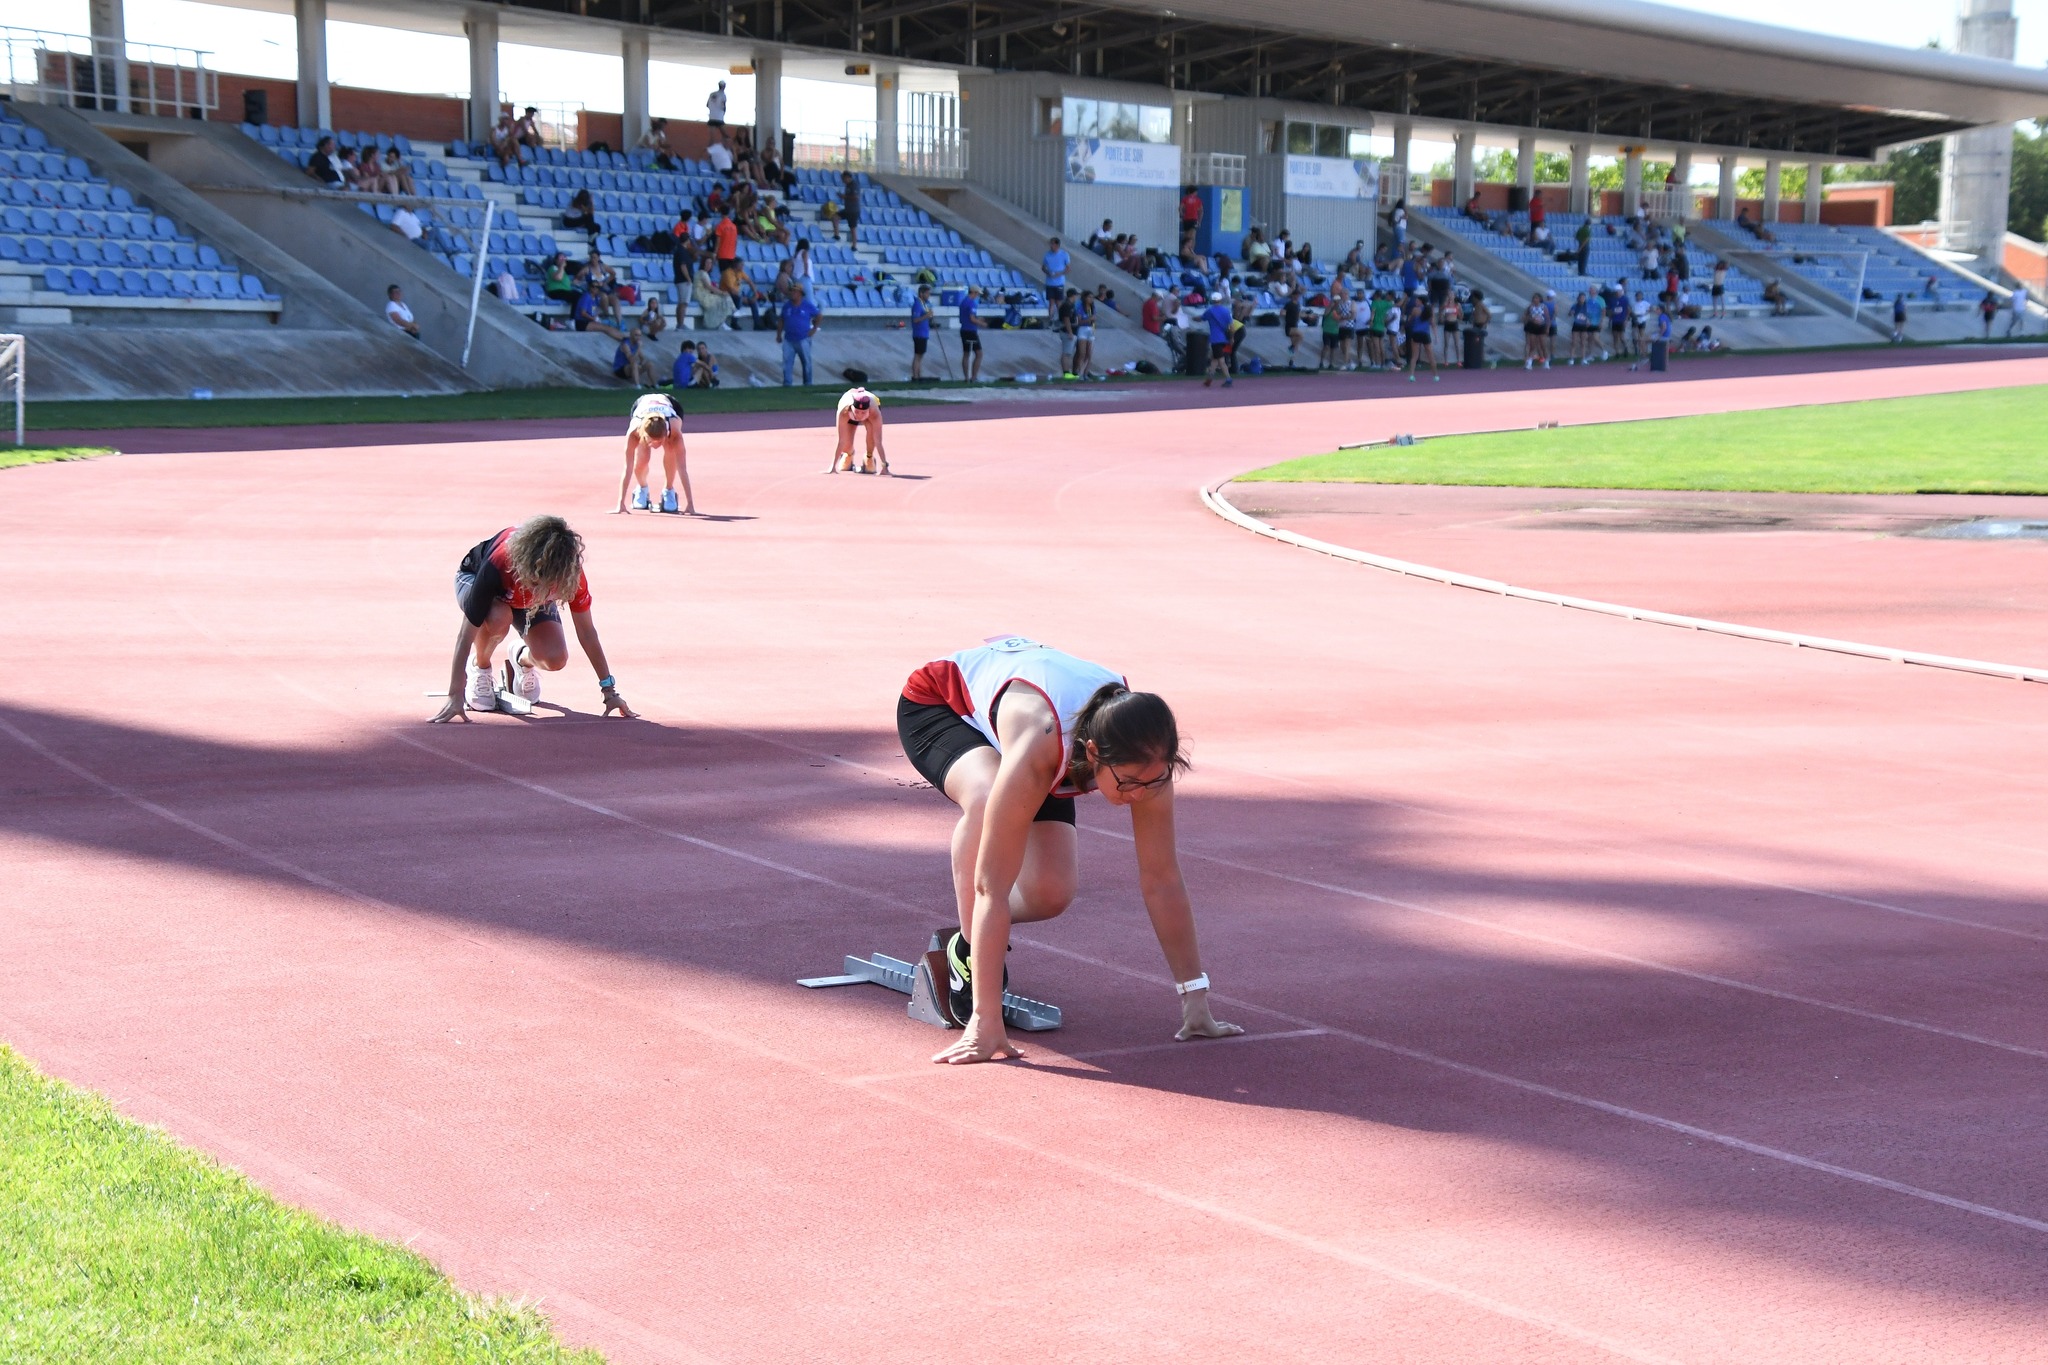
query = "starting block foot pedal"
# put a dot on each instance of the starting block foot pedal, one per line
(920, 981)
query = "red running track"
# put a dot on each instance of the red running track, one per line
(1616, 991)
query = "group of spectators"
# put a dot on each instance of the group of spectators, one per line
(364, 171)
(1610, 321)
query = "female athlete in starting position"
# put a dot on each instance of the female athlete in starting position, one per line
(518, 579)
(1012, 732)
(859, 408)
(655, 421)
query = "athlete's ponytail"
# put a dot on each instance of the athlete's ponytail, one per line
(1128, 729)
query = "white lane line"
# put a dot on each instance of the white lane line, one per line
(1384, 1045)
(1551, 940)
(1150, 1189)
(1222, 507)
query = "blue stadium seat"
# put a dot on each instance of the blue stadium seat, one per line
(129, 284)
(104, 283)
(252, 288)
(62, 252)
(88, 253)
(57, 281)
(156, 285)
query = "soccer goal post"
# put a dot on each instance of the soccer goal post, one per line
(14, 374)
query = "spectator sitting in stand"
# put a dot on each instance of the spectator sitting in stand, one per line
(828, 214)
(505, 138)
(655, 140)
(558, 282)
(719, 154)
(1744, 221)
(1472, 209)
(582, 214)
(1539, 237)
(1100, 239)
(325, 165)
(587, 315)
(1150, 317)
(506, 287)
(397, 314)
(1107, 298)
(600, 277)
(653, 322)
(779, 177)
(630, 362)
(527, 131)
(407, 224)
(684, 370)
(397, 175)
(351, 170)
(1774, 295)
(704, 374)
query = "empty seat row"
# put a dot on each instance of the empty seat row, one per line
(45, 165)
(309, 138)
(546, 156)
(109, 251)
(71, 194)
(87, 223)
(14, 134)
(155, 284)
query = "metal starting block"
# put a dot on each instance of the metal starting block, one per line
(920, 981)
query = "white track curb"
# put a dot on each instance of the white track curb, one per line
(1213, 499)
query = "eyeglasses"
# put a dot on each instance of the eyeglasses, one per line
(1128, 785)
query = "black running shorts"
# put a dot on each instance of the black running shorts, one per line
(934, 737)
(918, 344)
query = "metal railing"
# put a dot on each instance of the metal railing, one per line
(14, 374)
(1396, 182)
(100, 73)
(924, 151)
(1676, 205)
(1212, 168)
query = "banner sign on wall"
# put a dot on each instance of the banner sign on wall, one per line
(1332, 177)
(1099, 161)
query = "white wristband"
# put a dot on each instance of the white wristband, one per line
(1200, 983)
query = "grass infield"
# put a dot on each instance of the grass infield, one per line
(12, 456)
(1989, 441)
(118, 1245)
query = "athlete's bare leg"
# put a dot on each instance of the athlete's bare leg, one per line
(1052, 866)
(675, 463)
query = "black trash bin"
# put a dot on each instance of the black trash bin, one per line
(1475, 349)
(1198, 350)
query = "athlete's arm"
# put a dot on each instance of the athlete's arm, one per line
(625, 480)
(586, 635)
(1030, 765)
(465, 637)
(1173, 917)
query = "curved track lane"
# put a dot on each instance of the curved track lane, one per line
(1616, 992)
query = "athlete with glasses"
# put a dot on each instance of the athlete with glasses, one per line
(1012, 731)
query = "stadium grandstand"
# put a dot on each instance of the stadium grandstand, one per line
(169, 227)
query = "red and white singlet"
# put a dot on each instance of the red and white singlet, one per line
(972, 680)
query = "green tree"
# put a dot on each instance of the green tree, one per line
(2027, 213)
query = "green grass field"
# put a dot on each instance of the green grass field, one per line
(509, 404)
(118, 1245)
(14, 456)
(1990, 441)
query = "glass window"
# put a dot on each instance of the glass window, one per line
(1301, 139)
(1269, 138)
(1357, 142)
(1052, 117)
(1120, 121)
(1155, 123)
(1329, 140)
(1082, 118)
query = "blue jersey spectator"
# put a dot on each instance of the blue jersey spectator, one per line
(1056, 262)
(920, 317)
(970, 335)
(1218, 316)
(1411, 278)
(799, 321)
(970, 314)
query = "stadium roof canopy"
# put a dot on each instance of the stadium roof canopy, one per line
(1614, 69)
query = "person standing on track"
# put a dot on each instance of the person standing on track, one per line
(920, 330)
(655, 421)
(518, 580)
(970, 334)
(859, 409)
(1012, 731)
(1418, 339)
(1218, 317)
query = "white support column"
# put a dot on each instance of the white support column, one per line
(1724, 206)
(633, 60)
(1772, 169)
(1816, 180)
(887, 83)
(316, 107)
(1582, 177)
(768, 100)
(108, 20)
(1461, 166)
(1632, 182)
(1525, 166)
(482, 28)
(1681, 180)
(1404, 138)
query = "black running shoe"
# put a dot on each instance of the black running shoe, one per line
(959, 977)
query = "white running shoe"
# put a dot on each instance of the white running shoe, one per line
(482, 693)
(525, 677)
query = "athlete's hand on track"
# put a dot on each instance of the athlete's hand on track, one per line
(619, 510)
(452, 709)
(614, 702)
(978, 1044)
(1197, 1022)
